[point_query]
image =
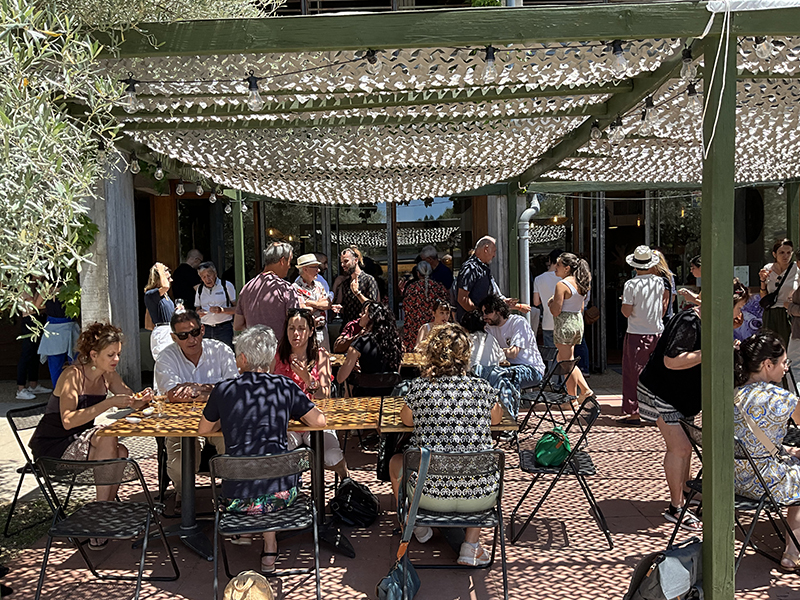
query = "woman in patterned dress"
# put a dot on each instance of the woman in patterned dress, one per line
(760, 364)
(451, 412)
(418, 304)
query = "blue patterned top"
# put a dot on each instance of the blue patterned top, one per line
(770, 406)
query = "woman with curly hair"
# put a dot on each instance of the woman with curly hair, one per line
(67, 429)
(378, 348)
(445, 399)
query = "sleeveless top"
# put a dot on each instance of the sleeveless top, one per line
(51, 438)
(573, 304)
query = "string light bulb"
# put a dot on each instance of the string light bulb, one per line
(620, 64)
(781, 189)
(374, 64)
(645, 127)
(489, 69)
(244, 206)
(135, 166)
(688, 69)
(179, 189)
(212, 197)
(129, 101)
(254, 100)
(763, 47)
(198, 189)
(617, 135)
(228, 208)
(159, 174)
(694, 102)
(595, 132)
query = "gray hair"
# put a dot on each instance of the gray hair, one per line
(429, 251)
(207, 266)
(486, 240)
(277, 251)
(424, 269)
(258, 345)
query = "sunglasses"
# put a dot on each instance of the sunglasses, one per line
(185, 334)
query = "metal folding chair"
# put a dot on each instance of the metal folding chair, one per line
(487, 464)
(302, 514)
(552, 393)
(25, 419)
(104, 520)
(375, 384)
(578, 464)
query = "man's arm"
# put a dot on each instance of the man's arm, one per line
(314, 418)
(627, 310)
(239, 322)
(207, 427)
(465, 301)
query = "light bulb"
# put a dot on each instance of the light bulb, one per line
(688, 69)
(763, 48)
(620, 64)
(254, 100)
(179, 189)
(618, 133)
(650, 115)
(159, 174)
(228, 209)
(135, 166)
(374, 64)
(212, 197)
(244, 207)
(199, 189)
(781, 189)
(645, 127)
(595, 132)
(489, 70)
(694, 101)
(129, 100)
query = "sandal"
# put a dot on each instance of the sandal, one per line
(97, 543)
(695, 501)
(268, 568)
(690, 521)
(790, 563)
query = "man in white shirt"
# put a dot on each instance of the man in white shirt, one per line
(517, 340)
(644, 303)
(544, 287)
(215, 301)
(187, 371)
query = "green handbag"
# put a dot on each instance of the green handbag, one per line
(553, 448)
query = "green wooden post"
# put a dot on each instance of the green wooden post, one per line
(717, 330)
(238, 237)
(513, 243)
(793, 211)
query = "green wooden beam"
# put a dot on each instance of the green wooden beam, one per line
(511, 191)
(643, 85)
(365, 121)
(793, 210)
(717, 213)
(415, 29)
(561, 187)
(235, 198)
(776, 22)
(378, 101)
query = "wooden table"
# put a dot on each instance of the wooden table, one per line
(180, 420)
(413, 360)
(390, 421)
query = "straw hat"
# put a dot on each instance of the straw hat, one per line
(307, 260)
(642, 258)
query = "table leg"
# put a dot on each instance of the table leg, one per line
(329, 531)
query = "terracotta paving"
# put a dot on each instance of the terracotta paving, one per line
(563, 554)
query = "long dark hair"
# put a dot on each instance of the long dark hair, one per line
(383, 331)
(285, 347)
(752, 352)
(579, 269)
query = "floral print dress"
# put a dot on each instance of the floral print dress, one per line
(418, 307)
(770, 406)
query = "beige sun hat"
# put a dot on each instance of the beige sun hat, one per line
(307, 260)
(642, 258)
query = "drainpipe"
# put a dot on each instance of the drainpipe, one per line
(524, 242)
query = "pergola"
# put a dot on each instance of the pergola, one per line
(399, 106)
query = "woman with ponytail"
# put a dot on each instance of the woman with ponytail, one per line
(759, 366)
(566, 305)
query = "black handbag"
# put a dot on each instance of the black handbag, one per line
(354, 504)
(403, 574)
(674, 573)
(769, 300)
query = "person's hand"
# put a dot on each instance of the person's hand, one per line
(354, 284)
(186, 391)
(523, 308)
(145, 396)
(336, 308)
(201, 312)
(122, 401)
(215, 309)
(763, 274)
(685, 293)
(299, 366)
(738, 320)
(510, 302)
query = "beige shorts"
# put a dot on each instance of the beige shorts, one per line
(568, 328)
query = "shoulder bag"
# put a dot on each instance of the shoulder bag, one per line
(403, 574)
(553, 448)
(676, 573)
(769, 300)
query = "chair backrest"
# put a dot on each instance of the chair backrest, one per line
(487, 464)
(740, 452)
(695, 435)
(562, 369)
(584, 418)
(22, 419)
(548, 353)
(377, 380)
(62, 476)
(253, 468)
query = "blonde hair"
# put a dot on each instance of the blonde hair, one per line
(662, 266)
(153, 279)
(447, 351)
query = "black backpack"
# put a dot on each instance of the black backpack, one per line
(676, 573)
(354, 504)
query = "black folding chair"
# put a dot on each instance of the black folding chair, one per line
(374, 384)
(578, 464)
(302, 514)
(552, 393)
(103, 520)
(25, 419)
(488, 464)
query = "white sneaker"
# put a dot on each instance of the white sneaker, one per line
(25, 394)
(473, 556)
(423, 534)
(40, 389)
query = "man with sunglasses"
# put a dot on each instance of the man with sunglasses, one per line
(187, 371)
